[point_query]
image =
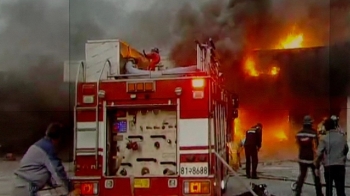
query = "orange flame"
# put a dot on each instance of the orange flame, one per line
(249, 66)
(239, 133)
(274, 71)
(293, 40)
(281, 136)
(251, 70)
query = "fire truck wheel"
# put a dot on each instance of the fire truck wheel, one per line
(223, 186)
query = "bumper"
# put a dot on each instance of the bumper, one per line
(151, 186)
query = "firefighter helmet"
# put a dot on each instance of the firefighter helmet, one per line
(308, 120)
(334, 117)
(155, 50)
(259, 125)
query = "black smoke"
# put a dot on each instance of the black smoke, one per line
(311, 81)
(240, 26)
(37, 36)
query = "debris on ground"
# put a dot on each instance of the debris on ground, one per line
(259, 189)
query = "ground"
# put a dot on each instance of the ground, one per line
(286, 169)
(278, 176)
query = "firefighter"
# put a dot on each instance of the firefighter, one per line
(332, 151)
(40, 169)
(235, 148)
(252, 145)
(307, 140)
(335, 120)
(153, 57)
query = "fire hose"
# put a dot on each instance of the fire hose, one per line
(235, 173)
(283, 178)
(287, 179)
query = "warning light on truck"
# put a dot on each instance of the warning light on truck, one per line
(197, 187)
(198, 83)
(87, 188)
(140, 87)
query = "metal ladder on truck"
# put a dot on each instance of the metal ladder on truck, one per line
(82, 68)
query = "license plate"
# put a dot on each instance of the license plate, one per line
(194, 169)
(141, 183)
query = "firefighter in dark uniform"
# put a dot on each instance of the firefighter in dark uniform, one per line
(307, 140)
(252, 145)
(335, 120)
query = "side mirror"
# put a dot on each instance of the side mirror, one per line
(235, 114)
(235, 102)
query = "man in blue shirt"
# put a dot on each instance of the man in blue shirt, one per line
(40, 167)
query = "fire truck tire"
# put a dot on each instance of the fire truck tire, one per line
(223, 186)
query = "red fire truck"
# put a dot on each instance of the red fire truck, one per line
(140, 132)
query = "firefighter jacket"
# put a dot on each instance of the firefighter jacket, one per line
(253, 137)
(333, 148)
(307, 140)
(154, 58)
(234, 150)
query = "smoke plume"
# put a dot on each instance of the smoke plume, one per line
(240, 27)
(237, 25)
(308, 78)
(37, 36)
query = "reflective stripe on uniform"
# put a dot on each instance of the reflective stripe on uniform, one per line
(306, 135)
(306, 161)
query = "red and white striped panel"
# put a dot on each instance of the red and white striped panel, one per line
(86, 138)
(193, 136)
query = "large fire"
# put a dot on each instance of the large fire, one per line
(250, 67)
(277, 140)
(293, 40)
(279, 131)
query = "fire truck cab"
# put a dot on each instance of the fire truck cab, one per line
(140, 132)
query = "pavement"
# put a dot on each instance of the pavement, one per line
(281, 169)
(278, 176)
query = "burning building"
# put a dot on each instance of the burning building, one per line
(280, 86)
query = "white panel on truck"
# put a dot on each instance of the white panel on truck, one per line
(96, 53)
(157, 148)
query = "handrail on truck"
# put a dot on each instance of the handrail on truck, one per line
(82, 66)
(97, 103)
(235, 173)
(150, 74)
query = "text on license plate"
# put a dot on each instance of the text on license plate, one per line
(194, 169)
(141, 183)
